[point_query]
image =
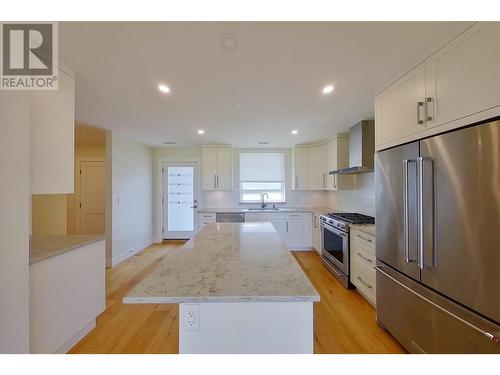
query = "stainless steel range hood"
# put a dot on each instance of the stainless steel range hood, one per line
(361, 148)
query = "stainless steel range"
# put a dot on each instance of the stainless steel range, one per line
(335, 242)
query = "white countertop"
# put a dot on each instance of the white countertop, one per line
(43, 247)
(229, 262)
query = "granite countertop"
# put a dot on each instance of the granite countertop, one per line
(367, 228)
(229, 262)
(43, 247)
(314, 210)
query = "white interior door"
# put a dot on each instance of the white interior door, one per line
(179, 200)
(92, 197)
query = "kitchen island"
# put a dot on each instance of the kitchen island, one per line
(239, 289)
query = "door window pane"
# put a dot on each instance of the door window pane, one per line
(180, 199)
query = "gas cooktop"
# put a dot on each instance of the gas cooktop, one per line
(352, 218)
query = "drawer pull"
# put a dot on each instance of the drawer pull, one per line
(364, 258)
(365, 284)
(209, 216)
(363, 238)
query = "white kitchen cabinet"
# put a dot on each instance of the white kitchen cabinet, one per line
(337, 155)
(206, 218)
(316, 234)
(463, 78)
(294, 228)
(317, 167)
(399, 109)
(300, 170)
(294, 233)
(456, 86)
(362, 263)
(52, 138)
(217, 168)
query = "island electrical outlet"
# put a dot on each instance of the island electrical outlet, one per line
(191, 317)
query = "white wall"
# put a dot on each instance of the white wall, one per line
(131, 197)
(14, 222)
(361, 199)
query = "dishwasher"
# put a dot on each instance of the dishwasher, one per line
(230, 217)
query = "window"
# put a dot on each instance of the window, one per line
(262, 172)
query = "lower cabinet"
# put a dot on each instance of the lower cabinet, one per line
(316, 234)
(205, 218)
(294, 228)
(362, 252)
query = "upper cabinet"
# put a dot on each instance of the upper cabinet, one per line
(312, 164)
(337, 153)
(398, 109)
(456, 86)
(463, 78)
(300, 168)
(317, 167)
(217, 168)
(52, 137)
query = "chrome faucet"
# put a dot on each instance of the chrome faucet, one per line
(262, 204)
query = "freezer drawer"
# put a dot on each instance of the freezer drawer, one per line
(425, 322)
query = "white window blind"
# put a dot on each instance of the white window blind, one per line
(262, 172)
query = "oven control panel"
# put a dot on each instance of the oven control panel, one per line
(334, 223)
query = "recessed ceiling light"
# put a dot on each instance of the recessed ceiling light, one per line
(164, 88)
(295, 132)
(201, 131)
(328, 89)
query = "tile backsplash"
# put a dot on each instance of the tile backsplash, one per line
(361, 199)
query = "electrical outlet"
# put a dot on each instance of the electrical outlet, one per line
(191, 319)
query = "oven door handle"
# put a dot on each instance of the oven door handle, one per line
(334, 230)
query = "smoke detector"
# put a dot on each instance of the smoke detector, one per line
(228, 43)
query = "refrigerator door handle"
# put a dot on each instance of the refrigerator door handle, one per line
(406, 211)
(421, 212)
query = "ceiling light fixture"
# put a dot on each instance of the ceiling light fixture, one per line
(201, 131)
(294, 132)
(164, 88)
(328, 89)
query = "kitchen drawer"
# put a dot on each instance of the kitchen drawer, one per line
(363, 238)
(263, 216)
(361, 260)
(294, 215)
(365, 283)
(209, 217)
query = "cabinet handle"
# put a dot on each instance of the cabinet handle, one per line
(324, 184)
(287, 226)
(366, 239)
(428, 101)
(335, 181)
(365, 284)
(215, 183)
(217, 178)
(296, 181)
(419, 105)
(364, 258)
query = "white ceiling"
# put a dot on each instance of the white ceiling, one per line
(268, 85)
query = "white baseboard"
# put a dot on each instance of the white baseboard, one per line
(66, 347)
(127, 254)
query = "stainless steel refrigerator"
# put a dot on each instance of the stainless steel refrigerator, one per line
(438, 241)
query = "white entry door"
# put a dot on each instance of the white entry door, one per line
(92, 197)
(179, 200)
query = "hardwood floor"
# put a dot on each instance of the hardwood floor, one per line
(343, 321)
